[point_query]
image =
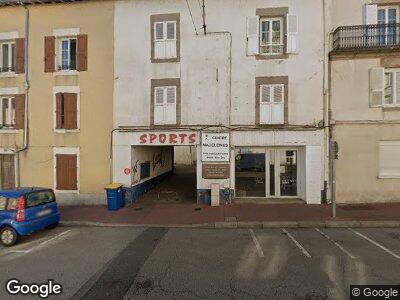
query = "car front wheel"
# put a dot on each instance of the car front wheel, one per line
(8, 236)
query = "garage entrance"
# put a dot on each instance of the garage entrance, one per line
(164, 174)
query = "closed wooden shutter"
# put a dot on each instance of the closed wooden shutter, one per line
(159, 40)
(159, 106)
(277, 109)
(265, 104)
(82, 52)
(7, 169)
(253, 36)
(292, 34)
(170, 106)
(59, 111)
(19, 105)
(70, 111)
(66, 172)
(20, 55)
(49, 54)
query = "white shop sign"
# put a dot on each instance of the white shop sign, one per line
(215, 147)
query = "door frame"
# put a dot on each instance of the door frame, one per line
(11, 152)
(298, 150)
(70, 151)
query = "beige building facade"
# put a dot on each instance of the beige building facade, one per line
(56, 97)
(365, 100)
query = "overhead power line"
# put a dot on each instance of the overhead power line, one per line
(191, 16)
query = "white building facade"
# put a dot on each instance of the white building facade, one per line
(247, 93)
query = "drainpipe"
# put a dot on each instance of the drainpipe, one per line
(26, 89)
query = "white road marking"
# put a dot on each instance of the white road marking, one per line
(375, 243)
(296, 243)
(258, 247)
(336, 243)
(41, 244)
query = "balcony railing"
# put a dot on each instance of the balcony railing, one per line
(367, 37)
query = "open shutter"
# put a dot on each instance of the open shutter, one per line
(20, 55)
(277, 113)
(19, 106)
(49, 54)
(59, 111)
(371, 14)
(82, 52)
(265, 104)
(70, 111)
(170, 43)
(253, 36)
(170, 106)
(4, 111)
(159, 106)
(292, 43)
(377, 85)
(159, 42)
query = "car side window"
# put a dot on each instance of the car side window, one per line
(12, 204)
(3, 203)
(39, 198)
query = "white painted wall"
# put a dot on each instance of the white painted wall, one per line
(204, 99)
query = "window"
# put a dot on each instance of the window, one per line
(165, 41)
(387, 35)
(7, 112)
(7, 57)
(66, 111)
(39, 198)
(389, 159)
(7, 171)
(66, 172)
(165, 105)
(384, 87)
(67, 54)
(271, 36)
(3, 203)
(272, 103)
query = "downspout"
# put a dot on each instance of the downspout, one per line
(26, 89)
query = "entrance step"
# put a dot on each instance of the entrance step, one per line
(269, 201)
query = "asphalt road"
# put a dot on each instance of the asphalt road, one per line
(159, 263)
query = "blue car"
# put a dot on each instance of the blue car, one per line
(26, 210)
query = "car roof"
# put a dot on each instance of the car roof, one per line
(18, 192)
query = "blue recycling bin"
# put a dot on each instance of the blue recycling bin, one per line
(115, 198)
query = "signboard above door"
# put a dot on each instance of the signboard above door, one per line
(215, 147)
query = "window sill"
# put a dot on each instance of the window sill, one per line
(8, 75)
(62, 131)
(393, 176)
(390, 108)
(10, 130)
(66, 73)
(66, 191)
(165, 60)
(272, 56)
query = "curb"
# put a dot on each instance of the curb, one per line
(253, 225)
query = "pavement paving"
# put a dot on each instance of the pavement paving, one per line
(183, 263)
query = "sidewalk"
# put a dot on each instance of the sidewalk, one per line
(234, 215)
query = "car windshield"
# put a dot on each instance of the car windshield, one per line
(39, 198)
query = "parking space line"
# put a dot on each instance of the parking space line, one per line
(336, 243)
(41, 244)
(305, 252)
(375, 243)
(258, 247)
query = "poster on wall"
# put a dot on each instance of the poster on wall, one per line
(215, 147)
